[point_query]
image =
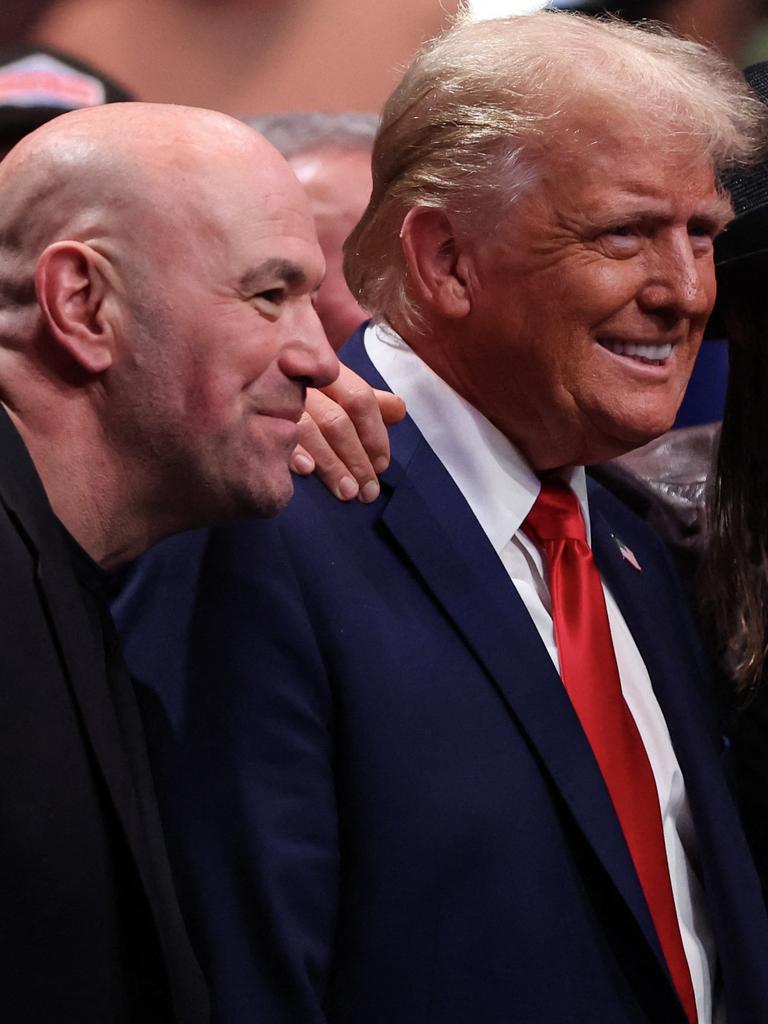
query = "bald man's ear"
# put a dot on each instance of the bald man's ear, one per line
(71, 290)
(438, 268)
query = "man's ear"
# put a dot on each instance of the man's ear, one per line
(436, 265)
(71, 290)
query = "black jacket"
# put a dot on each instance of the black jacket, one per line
(90, 930)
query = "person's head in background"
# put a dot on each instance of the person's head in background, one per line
(37, 85)
(725, 24)
(331, 156)
(738, 544)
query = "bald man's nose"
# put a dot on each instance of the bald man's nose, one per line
(308, 356)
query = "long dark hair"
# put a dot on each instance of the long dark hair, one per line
(737, 557)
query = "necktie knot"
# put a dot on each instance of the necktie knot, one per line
(556, 515)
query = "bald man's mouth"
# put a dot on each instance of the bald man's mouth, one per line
(289, 413)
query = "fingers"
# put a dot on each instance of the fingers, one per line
(302, 463)
(328, 436)
(359, 401)
(343, 436)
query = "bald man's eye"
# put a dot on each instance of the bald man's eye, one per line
(273, 296)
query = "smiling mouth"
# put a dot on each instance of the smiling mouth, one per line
(651, 355)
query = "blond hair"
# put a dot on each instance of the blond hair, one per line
(478, 109)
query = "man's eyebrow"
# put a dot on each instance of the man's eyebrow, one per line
(270, 271)
(718, 211)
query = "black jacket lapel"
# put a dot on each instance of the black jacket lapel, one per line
(117, 744)
(23, 496)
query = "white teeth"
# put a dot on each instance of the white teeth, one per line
(649, 353)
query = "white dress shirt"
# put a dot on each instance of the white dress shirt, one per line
(500, 488)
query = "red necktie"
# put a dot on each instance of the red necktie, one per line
(591, 678)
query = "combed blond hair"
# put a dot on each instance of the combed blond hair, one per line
(479, 108)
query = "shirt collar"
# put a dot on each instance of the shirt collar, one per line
(497, 482)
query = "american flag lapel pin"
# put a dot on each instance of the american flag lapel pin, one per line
(627, 553)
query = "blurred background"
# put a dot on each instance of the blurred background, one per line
(248, 56)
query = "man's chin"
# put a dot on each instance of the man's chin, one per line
(631, 433)
(268, 502)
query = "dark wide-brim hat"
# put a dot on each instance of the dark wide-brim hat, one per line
(38, 84)
(747, 234)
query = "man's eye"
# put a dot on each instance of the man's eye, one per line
(621, 241)
(275, 296)
(702, 231)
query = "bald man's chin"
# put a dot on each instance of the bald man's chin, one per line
(267, 502)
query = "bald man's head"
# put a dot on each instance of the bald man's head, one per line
(113, 173)
(146, 269)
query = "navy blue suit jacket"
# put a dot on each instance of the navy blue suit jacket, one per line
(380, 802)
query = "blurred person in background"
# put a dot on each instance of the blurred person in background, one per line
(736, 581)
(248, 55)
(405, 778)
(725, 24)
(37, 85)
(331, 156)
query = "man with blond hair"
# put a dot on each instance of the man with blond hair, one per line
(459, 762)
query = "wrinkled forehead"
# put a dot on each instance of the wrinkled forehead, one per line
(599, 122)
(625, 172)
(601, 149)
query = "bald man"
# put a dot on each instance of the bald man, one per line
(157, 337)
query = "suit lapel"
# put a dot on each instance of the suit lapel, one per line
(85, 668)
(651, 611)
(430, 520)
(653, 617)
(437, 531)
(81, 652)
(117, 744)
(435, 528)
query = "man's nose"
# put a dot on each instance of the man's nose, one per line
(309, 357)
(681, 281)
